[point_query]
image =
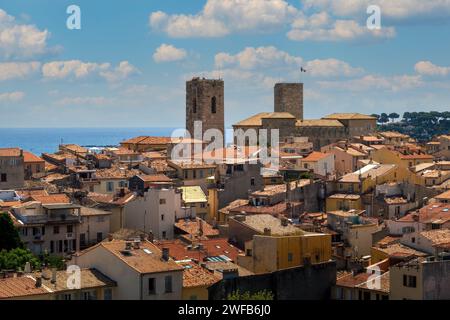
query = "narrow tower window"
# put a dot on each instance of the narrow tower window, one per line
(194, 105)
(213, 105)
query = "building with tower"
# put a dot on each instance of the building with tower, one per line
(205, 103)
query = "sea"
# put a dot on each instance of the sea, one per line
(40, 140)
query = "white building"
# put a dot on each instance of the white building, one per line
(154, 212)
(140, 269)
(95, 226)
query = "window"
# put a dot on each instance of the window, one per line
(107, 294)
(69, 228)
(99, 236)
(162, 201)
(55, 229)
(164, 235)
(82, 239)
(60, 246)
(122, 184)
(168, 284)
(409, 281)
(151, 286)
(91, 189)
(413, 240)
(110, 186)
(43, 231)
(25, 231)
(66, 245)
(35, 231)
(162, 217)
(194, 174)
(100, 219)
(52, 246)
(366, 295)
(185, 174)
(252, 181)
(213, 105)
(290, 256)
(3, 177)
(194, 105)
(68, 296)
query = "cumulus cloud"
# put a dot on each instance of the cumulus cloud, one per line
(392, 10)
(270, 59)
(78, 69)
(18, 70)
(375, 82)
(121, 72)
(222, 17)
(21, 40)
(429, 69)
(168, 53)
(322, 27)
(11, 96)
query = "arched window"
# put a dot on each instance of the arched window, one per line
(213, 105)
(194, 105)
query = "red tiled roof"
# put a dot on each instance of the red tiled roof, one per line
(429, 213)
(316, 156)
(193, 227)
(30, 157)
(19, 287)
(9, 152)
(53, 198)
(197, 276)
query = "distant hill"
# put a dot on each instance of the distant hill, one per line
(422, 126)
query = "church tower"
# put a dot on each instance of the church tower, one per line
(205, 103)
(288, 97)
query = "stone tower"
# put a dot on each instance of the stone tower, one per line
(205, 102)
(288, 97)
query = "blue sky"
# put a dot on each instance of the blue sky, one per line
(127, 65)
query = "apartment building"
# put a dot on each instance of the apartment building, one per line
(141, 270)
(11, 168)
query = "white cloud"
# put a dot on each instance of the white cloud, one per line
(331, 68)
(78, 69)
(429, 69)
(21, 40)
(168, 53)
(261, 57)
(270, 59)
(121, 72)
(11, 96)
(14, 70)
(222, 17)
(393, 10)
(321, 27)
(84, 101)
(375, 82)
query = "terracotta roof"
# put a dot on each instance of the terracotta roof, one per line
(345, 196)
(143, 261)
(193, 227)
(233, 204)
(197, 276)
(259, 222)
(29, 193)
(52, 198)
(395, 249)
(75, 148)
(444, 196)
(316, 156)
(90, 279)
(179, 250)
(349, 116)
(318, 123)
(256, 120)
(274, 210)
(430, 213)
(393, 134)
(147, 140)
(388, 240)
(437, 236)
(29, 157)
(124, 152)
(372, 170)
(116, 173)
(9, 152)
(352, 281)
(19, 287)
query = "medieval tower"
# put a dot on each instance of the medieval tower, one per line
(205, 103)
(288, 97)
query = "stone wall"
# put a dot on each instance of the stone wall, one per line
(309, 282)
(288, 97)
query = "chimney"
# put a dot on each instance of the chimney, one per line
(137, 244)
(128, 245)
(38, 282)
(27, 267)
(284, 222)
(165, 254)
(267, 231)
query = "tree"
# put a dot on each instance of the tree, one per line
(53, 261)
(260, 295)
(383, 118)
(393, 116)
(9, 236)
(17, 258)
(377, 116)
